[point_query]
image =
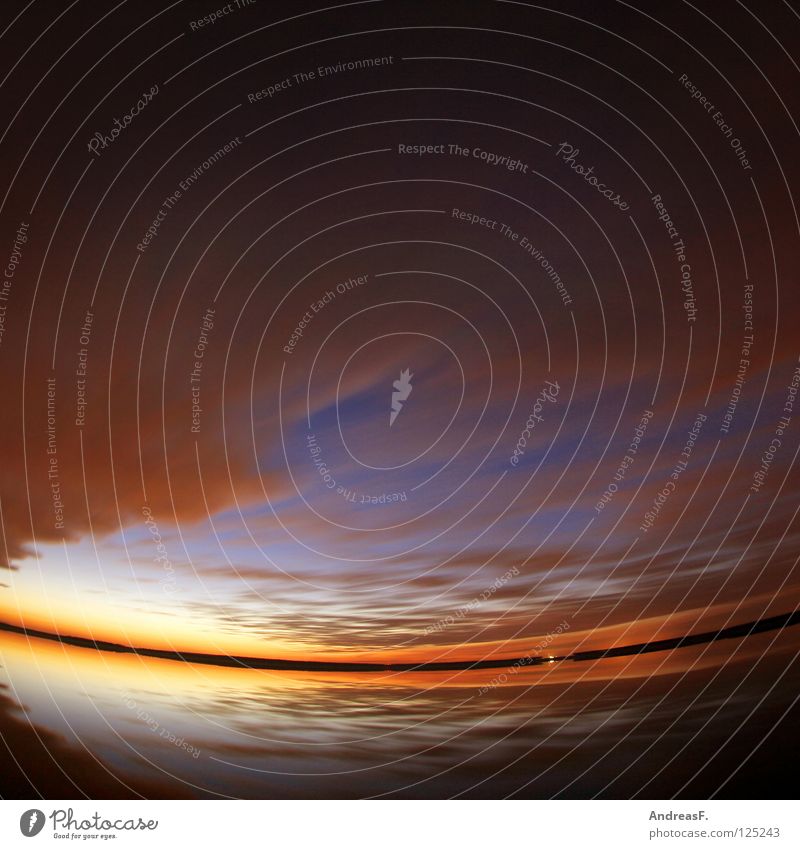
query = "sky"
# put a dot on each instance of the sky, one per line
(206, 317)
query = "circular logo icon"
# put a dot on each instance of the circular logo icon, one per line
(31, 822)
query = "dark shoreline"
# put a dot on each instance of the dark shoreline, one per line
(759, 626)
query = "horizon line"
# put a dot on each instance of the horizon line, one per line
(758, 626)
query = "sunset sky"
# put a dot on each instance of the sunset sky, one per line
(217, 529)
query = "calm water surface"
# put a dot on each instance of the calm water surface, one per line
(80, 722)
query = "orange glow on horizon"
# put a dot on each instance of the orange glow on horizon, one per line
(171, 632)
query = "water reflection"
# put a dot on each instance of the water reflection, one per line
(85, 722)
